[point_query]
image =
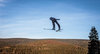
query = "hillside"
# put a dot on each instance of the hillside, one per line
(43, 46)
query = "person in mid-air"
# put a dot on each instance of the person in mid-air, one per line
(54, 20)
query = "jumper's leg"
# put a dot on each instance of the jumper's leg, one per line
(58, 25)
(53, 25)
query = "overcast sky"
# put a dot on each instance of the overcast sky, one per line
(28, 18)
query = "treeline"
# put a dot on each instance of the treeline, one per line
(43, 50)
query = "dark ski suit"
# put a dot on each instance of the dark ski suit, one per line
(54, 20)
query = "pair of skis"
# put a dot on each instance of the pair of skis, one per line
(52, 29)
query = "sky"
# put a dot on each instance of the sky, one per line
(28, 18)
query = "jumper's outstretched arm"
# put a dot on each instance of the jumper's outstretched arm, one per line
(57, 19)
